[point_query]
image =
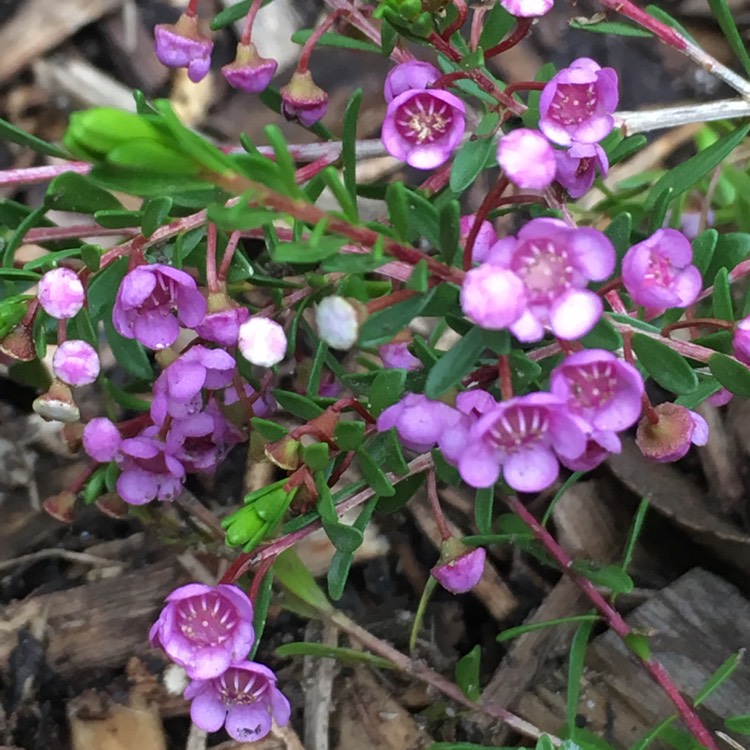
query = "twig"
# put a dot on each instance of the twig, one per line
(62, 554)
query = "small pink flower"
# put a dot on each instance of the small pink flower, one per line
(61, 293)
(470, 406)
(493, 297)
(262, 341)
(741, 342)
(576, 106)
(555, 263)
(461, 573)
(414, 74)
(577, 167)
(76, 363)
(152, 302)
(101, 440)
(245, 699)
(423, 127)
(223, 326)
(658, 272)
(486, 238)
(721, 398)
(419, 421)
(302, 100)
(205, 629)
(181, 45)
(249, 72)
(397, 356)
(527, 158)
(527, 8)
(337, 321)
(671, 437)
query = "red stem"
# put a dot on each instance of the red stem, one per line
(260, 574)
(615, 621)
(524, 86)
(437, 511)
(192, 9)
(314, 38)
(505, 376)
(479, 217)
(226, 260)
(523, 27)
(247, 28)
(211, 276)
(667, 34)
(726, 325)
(380, 303)
(462, 14)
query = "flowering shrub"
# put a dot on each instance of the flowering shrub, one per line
(504, 337)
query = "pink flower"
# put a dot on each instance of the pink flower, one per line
(600, 445)
(524, 437)
(76, 362)
(244, 699)
(178, 390)
(149, 469)
(599, 387)
(486, 238)
(223, 326)
(262, 406)
(577, 167)
(493, 297)
(419, 421)
(61, 293)
(262, 341)
(249, 72)
(181, 45)
(201, 442)
(527, 158)
(101, 440)
(460, 573)
(423, 127)
(741, 341)
(555, 264)
(658, 272)
(407, 76)
(721, 398)
(152, 302)
(470, 406)
(527, 8)
(205, 629)
(302, 100)
(577, 104)
(397, 356)
(671, 437)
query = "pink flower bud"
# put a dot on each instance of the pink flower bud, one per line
(486, 238)
(670, 438)
(61, 293)
(459, 568)
(181, 45)
(493, 297)
(527, 8)
(76, 363)
(527, 158)
(303, 100)
(741, 341)
(249, 72)
(337, 322)
(396, 355)
(262, 342)
(101, 440)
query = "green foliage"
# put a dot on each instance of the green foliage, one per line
(664, 365)
(467, 673)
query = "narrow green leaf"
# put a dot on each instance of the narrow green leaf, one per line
(9, 132)
(336, 40)
(639, 644)
(724, 15)
(260, 610)
(128, 352)
(739, 724)
(297, 404)
(386, 389)
(35, 218)
(374, 475)
(270, 430)
(344, 655)
(569, 482)
(668, 368)
(575, 673)
(635, 532)
(484, 505)
(733, 375)
(467, 673)
(349, 144)
(616, 28)
(424, 600)
(511, 633)
(450, 230)
(497, 23)
(612, 577)
(455, 363)
(719, 677)
(618, 231)
(603, 336)
(294, 576)
(380, 327)
(154, 213)
(398, 209)
(71, 191)
(722, 296)
(704, 246)
(473, 157)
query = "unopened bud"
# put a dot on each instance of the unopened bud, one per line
(181, 45)
(61, 506)
(262, 341)
(19, 344)
(285, 453)
(61, 293)
(76, 363)
(670, 438)
(460, 568)
(338, 320)
(249, 72)
(57, 404)
(303, 100)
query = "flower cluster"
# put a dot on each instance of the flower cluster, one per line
(208, 631)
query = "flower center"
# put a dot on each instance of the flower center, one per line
(574, 103)
(659, 271)
(519, 427)
(593, 385)
(545, 270)
(423, 119)
(237, 687)
(206, 620)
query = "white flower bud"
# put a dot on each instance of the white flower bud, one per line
(337, 322)
(262, 341)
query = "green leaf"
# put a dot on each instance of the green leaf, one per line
(336, 40)
(733, 375)
(618, 231)
(544, 743)
(343, 655)
(687, 173)
(719, 677)
(128, 352)
(270, 430)
(450, 230)
(9, 132)
(380, 327)
(704, 246)
(349, 435)
(297, 404)
(484, 505)
(20, 274)
(497, 23)
(386, 389)
(635, 532)
(616, 28)
(260, 610)
(35, 218)
(511, 633)
(707, 387)
(722, 296)
(374, 475)
(341, 562)
(154, 213)
(639, 644)
(316, 456)
(295, 577)
(124, 398)
(405, 491)
(455, 363)
(612, 577)
(668, 368)
(724, 15)
(117, 218)
(349, 144)
(71, 191)
(307, 252)
(575, 673)
(603, 336)
(626, 148)
(473, 157)
(396, 200)
(388, 38)
(467, 673)
(739, 724)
